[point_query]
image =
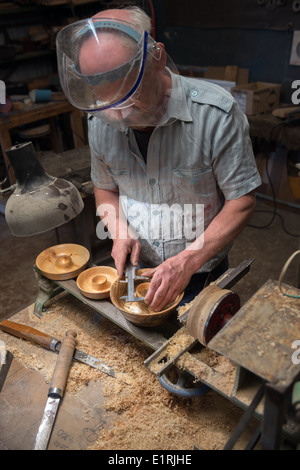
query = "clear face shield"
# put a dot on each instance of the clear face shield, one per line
(106, 69)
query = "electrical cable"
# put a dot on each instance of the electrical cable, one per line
(6, 175)
(274, 201)
(283, 272)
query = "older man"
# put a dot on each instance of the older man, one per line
(172, 161)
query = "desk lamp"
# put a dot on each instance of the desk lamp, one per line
(39, 202)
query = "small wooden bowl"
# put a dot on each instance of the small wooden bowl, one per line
(95, 283)
(142, 289)
(62, 262)
(138, 312)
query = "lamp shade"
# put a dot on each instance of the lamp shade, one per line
(40, 202)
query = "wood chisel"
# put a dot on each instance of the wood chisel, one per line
(56, 390)
(49, 342)
(6, 358)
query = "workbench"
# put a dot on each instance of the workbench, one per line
(97, 410)
(272, 129)
(37, 112)
(133, 415)
(281, 140)
(23, 397)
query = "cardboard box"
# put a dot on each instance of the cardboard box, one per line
(257, 97)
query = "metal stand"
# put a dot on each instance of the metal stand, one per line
(47, 290)
(244, 422)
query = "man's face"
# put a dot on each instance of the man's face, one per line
(140, 109)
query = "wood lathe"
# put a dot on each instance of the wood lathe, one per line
(215, 322)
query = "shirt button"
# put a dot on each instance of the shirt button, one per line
(156, 243)
(152, 181)
(194, 93)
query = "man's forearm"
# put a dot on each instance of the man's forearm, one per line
(221, 232)
(124, 241)
(108, 209)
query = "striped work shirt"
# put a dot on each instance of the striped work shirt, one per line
(193, 164)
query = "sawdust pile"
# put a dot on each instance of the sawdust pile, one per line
(145, 415)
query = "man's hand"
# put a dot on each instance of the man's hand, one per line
(125, 242)
(121, 249)
(171, 277)
(168, 280)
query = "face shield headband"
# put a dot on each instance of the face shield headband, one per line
(84, 90)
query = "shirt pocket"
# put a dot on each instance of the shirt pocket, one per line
(122, 178)
(194, 182)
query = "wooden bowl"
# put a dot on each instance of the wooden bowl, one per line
(138, 312)
(95, 283)
(62, 262)
(142, 289)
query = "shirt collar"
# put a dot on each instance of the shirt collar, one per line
(177, 106)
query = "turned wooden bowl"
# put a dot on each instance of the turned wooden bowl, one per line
(138, 312)
(62, 262)
(95, 283)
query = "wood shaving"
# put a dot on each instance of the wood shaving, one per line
(183, 308)
(180, 341)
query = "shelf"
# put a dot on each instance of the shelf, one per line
(65, 2)
(27, 56)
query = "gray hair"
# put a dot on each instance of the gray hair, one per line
(141, 20)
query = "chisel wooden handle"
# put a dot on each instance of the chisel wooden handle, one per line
(63, 364)
(27, 332)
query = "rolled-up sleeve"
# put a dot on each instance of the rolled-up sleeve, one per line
(100, 175)
(233, 161)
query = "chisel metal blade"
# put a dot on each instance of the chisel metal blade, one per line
(47, 423)
(4, 367)
(85, 358)
(49, 342)
(56, 390)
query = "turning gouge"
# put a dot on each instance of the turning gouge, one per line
(56, 390)
(49, 342)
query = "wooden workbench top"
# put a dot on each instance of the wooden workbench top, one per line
(272, 129)
(64, 163)
(34, 112)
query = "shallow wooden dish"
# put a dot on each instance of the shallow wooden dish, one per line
(95, 283)
(62, 262)
(138, 312)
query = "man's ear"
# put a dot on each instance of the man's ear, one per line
(160, 56)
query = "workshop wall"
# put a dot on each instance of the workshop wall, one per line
(28, 32)
(253, 34)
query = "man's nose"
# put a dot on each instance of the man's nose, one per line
(124, 113)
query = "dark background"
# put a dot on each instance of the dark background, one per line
(253, 34)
